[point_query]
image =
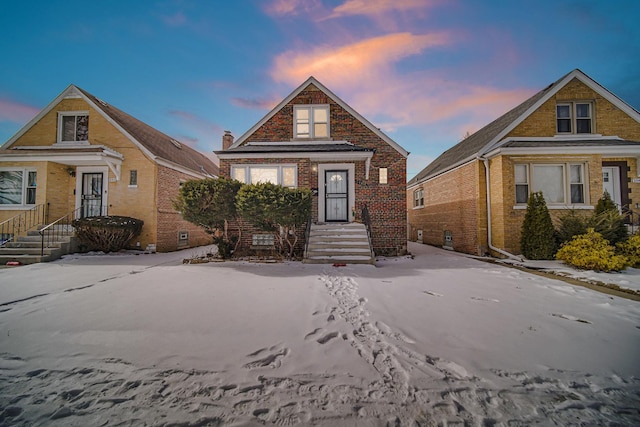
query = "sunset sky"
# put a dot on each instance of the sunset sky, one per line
(425, 71)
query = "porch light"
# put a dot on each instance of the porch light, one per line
(71, 172)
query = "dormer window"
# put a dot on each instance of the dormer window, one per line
(73, 127)
(311, 121)
(574, 117)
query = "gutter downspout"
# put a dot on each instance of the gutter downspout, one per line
(493, 248)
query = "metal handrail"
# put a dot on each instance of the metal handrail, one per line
(62, 226)
(307, 233)
(366, 220)
(23, 222)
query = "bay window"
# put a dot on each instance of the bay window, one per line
(17, 187)
(560, 183)
(285, 175)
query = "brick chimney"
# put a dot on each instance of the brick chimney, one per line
(227, 140)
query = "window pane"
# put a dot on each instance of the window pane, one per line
(564, 125)
(133, 177)
(289, 176)
(522, 193)
(68, 128)
(302, 114)
(31, 180)
(383, 175)
(563, 111)
(583, 126)
(31, 196)
(521, 174)
(550, 180)
(82, 128)
(575, 172)
(10, 187)
(320, 130)
(320, 115)
(577, 193)
(238, 174)
(302, 130)
(264, 175)
(583, 110)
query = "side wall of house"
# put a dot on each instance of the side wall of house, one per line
(171, 225)
(454, 205)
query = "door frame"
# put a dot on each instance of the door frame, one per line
(351, 195)
(623, 185)
(80, 170)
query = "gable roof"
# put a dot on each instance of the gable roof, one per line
(313, 81)
(493, 135)
(158, 146)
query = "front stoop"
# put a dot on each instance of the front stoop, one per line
(28, 249)
(345, 243)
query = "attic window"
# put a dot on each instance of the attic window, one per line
(73, 126)
(311, 121)
(574, 117)
(176, 143)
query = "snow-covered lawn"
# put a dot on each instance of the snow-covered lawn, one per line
(441, 339)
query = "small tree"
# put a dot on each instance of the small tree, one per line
(571, 224)
(537, 240)
(277, 209)
(210, 204)
(607, 220)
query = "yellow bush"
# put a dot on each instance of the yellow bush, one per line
(631, 249)
(591, 251)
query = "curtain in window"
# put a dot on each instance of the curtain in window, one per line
(550, 180)
(10, 187)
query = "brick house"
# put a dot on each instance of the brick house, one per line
(573, 140)
(83, 156)
(313, 139)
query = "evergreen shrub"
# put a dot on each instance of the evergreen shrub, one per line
(591, 251)
(538, 234)
(107, 233)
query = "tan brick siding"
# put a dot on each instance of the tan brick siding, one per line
(149, 201)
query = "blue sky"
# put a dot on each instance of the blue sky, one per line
(425, 71)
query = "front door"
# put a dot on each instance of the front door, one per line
(611, 183)
(336, 195)
(91, 194)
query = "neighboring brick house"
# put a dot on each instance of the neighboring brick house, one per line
(81, 154)
(573, 140)
(313, 139)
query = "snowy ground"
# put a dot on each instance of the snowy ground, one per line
(441, 339)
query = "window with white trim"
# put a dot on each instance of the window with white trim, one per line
(73, 126)
(285, 175)
(418, 198)
(574, 117)
(311, 121)
(17, 187)
(560, 183)
(384, 176)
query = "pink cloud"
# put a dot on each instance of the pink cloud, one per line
(355, 62)
(11, 111)
(376, 7)
(258, 103)
(203, 134)
(291, 7)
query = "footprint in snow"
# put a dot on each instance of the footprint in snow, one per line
(485, 299)
(567, 317)
(435, 294)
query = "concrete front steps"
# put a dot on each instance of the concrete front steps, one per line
(28, 249)
(339, 243)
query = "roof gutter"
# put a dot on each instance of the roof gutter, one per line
(489, 232)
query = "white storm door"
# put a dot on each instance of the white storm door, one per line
(611, 183)
(336, 195)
